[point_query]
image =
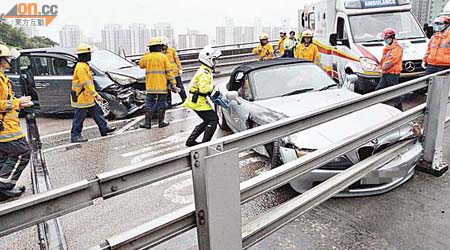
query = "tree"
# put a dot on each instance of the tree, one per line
(41, 42)
(15, 37)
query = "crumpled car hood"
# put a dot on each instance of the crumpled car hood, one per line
(134, 72)
(333, 131)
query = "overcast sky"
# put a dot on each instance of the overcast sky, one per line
(91, 15)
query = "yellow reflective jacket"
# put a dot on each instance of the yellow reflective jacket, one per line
(174, 61)
(281, 46)
(310, 53)
(202, 83)
(158, 72)
(83, 86)
(264, 52)
(9, 112)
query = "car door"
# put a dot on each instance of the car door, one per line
(342, 48)
(53, 80)
(240, 109)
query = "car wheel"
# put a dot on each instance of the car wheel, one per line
(273, 149)
(222, 122)
(104, 105)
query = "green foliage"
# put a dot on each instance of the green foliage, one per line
(15, 37)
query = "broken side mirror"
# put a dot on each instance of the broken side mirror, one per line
(352, 78)
(333, 39)
(233, 96)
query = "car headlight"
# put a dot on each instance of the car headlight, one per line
(121, 79)
(368, 64)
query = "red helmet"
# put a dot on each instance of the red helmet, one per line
(389, 32)
(442, 19)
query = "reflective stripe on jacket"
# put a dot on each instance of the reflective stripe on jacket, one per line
(158, 72)
(438, 52)
(264, 52)
(281, 46)
(391, 62)
(202, 83)
(310, 53)
(83, 85)
(9, 105)
(174, 61)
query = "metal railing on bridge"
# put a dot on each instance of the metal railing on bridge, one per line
(218, 192)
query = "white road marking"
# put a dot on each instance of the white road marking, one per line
(130, 124)
(111, 123)
(180, 192)
(141, 157)
(113, 135)
(85, 128)
(161, 143)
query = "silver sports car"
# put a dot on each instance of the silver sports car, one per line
(262, 92)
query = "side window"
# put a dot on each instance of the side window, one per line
(13, 70)
(312, 21)
(63, 67)
(341, 30)
(244, 91)
(41, 66)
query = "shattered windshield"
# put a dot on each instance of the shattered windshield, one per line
(368, 28)
(282, 80)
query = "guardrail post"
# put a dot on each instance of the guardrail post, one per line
(436, 113)
(217, 198)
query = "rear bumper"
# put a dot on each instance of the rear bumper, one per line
(382, 180)
(368, 82)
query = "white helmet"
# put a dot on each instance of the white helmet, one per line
(164, 40)
(208, 54)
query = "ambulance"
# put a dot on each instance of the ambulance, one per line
(429, 28)
(446, 11)
(349, 36)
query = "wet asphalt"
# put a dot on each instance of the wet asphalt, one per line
(413, 216)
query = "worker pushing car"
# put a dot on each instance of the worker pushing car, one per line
(200, 89)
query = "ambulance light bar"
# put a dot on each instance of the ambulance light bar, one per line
(368, 4)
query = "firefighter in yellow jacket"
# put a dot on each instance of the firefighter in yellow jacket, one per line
(307, 49)
(280, 44)
(200, 87)
(158, 74)
(14, 149)
(84, 97)
(175, 62)
(265, 49)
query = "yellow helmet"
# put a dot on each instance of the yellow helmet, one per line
(5, 51)
(84, 48)
(263, 36)
(155, 41)
(307, 33)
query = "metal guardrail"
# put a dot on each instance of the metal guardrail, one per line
(235, 46)
(50, 233)
(209, 218)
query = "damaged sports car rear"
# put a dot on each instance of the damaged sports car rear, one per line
(46, 75)
(263, 92)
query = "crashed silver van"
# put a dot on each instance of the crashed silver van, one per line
(263, 92)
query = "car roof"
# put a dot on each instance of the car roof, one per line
(56, 50)
(252, 66)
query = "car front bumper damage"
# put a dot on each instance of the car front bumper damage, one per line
(382, 180)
